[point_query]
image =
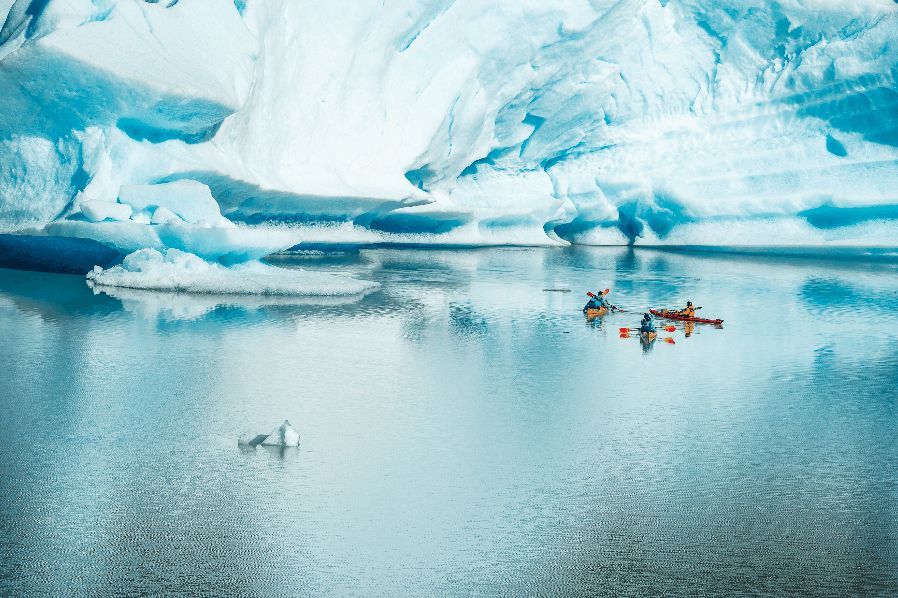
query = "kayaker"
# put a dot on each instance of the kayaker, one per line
(647, 324)
(689, 310)
(597, 301)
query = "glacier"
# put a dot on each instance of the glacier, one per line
(232, 130)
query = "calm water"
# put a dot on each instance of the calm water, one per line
(463, 431)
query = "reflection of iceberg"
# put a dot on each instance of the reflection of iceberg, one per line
(171, 305)
(174, 270)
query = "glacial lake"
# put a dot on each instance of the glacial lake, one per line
(464, 431)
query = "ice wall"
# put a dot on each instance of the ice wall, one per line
(523, 121)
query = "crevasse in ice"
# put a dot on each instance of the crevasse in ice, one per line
(196, 125)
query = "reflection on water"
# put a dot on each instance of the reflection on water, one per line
(463, 431)
(185, 306)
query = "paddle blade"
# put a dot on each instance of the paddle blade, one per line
(669, 340)
(625, 335)
(623, 330)
(669, 328)
(590, 294)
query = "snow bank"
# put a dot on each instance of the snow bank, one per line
(175, 270)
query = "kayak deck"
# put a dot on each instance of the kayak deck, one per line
(669, 315)
(594, 313)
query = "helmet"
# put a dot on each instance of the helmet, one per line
(646, 316)
(689, 303)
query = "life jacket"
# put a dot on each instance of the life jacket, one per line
(596, 302)
(688, 312)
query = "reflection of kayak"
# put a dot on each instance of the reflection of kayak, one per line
(595, 313)
(648, 336)
(670, 315)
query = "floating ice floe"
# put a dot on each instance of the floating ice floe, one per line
(175, 270)
(283, 435)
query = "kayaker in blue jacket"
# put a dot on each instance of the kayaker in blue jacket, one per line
(647, 324)
(598, 301)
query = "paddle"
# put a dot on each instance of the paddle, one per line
(666, 339)
(594, 296)
(665, 328)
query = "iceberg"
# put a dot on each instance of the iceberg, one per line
(453, 121)
(175, 270)
(283, 435)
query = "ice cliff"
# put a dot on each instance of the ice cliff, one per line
(232, 129)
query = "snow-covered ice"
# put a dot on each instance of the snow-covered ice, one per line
(451, 121)
(98, 210)
(175, 270)
(191, 201)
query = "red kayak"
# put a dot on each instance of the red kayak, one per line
(672, 315)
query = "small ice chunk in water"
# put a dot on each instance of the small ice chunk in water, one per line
(283, 435)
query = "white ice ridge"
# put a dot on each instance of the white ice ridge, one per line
(175, 270)
(450, 121)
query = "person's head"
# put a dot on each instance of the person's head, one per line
(646, 316)
(689, 304)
